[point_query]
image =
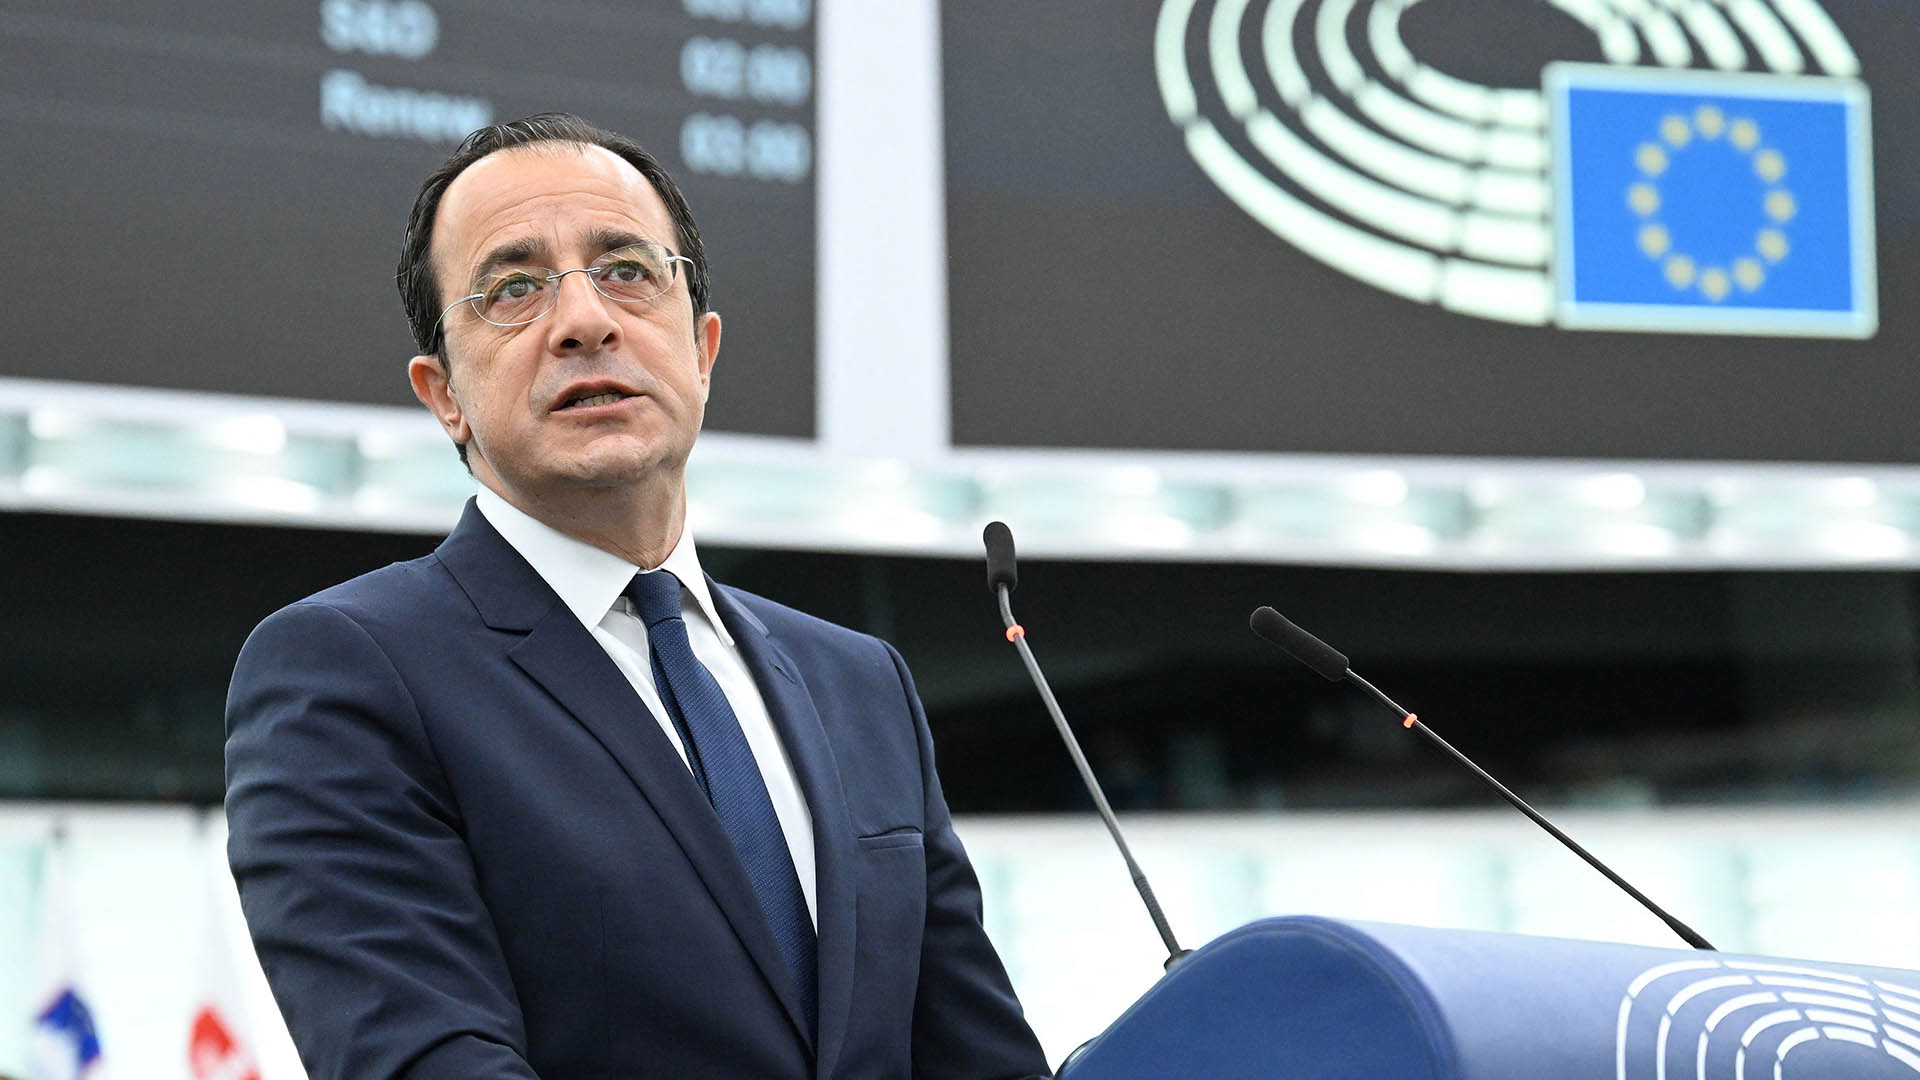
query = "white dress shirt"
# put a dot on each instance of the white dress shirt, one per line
(592, 583)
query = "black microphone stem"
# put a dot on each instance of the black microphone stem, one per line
(1687, 933)
(1018, 636)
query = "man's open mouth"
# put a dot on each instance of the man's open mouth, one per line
(604, 397)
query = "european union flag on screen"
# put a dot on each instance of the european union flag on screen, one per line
(1710, 202)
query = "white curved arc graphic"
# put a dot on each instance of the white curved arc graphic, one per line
(1431, 224)
(1823, 39)
(1492, 292)
(1726, 1009)
(1791, 969)
(1818, 1005)
(1421, 213)
(1904, 1027)
(1170, 61)
(1633, 991)
(1330, 36)
(1717, 40)
(1436, 175)
(1276, 46)
(1223, 49)
(1590, 12)
(1770, 37)
(1459, 107)
(1733, 1005)
(1519, 192)
(1455, 284)
(1430, 175)
(1897, 998)
(1417, 124)
(1804, 983)
(1646, 977)
(1384, 264)
(1896, 988)
(1383, 36)
(1455, 97)
(1407, 216)
(1660, 1045)
(1407, 178)
(1830, 1016)
(1903, 1024)
(1444, 179)
(1618, 43)
(1516, 149)
(1501, 107)
(1787, 1044)
(1826, 1001)
(1703, 986)
(1661, 31)
(1506, 240)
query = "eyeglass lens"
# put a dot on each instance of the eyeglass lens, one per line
(629, 275)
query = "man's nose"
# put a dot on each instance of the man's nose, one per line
(582, 318)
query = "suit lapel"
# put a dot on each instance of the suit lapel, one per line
(798, 720)
(562, 656)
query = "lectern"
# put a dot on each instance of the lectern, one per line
(1327, 999)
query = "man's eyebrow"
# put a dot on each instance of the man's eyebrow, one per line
(519, 252)
(606, 238)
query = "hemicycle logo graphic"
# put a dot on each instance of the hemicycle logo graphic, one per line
(1713, 176)
(1752, 1020)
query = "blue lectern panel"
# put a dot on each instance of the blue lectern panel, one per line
(1331, 999)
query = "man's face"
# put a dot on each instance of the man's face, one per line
(515, 392)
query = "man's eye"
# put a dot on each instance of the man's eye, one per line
(628, 272)
(509, 288)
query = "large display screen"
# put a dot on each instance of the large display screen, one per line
(1519, 228)
(211, 196)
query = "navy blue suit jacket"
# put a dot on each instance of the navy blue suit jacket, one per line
(465, 850)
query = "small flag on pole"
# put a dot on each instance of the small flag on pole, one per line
(218, 1038)
(64, 1044)
(214, 1052)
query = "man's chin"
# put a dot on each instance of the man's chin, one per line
(609, 464)
(621, 461)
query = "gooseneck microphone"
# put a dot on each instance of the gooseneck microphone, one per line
(1001, 572)
(1001, 578)
(1329, 663)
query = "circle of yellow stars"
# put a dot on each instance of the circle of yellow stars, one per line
(1747, 272)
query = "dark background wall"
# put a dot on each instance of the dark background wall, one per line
(118, 637)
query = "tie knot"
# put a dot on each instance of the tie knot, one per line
(656, 596)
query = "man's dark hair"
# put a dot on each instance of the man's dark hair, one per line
(420, 293)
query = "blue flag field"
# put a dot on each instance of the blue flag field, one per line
(1705, 202)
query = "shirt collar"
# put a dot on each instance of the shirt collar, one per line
(588, 580)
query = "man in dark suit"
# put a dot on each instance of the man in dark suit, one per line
(550, 802)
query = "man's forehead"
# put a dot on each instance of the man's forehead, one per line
(542, 191)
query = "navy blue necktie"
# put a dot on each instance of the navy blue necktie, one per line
(724, 766)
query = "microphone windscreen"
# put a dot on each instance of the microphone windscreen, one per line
(1000, 567)
(1325, 660)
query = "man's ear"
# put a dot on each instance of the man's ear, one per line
(706, 346)
(434, 388)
